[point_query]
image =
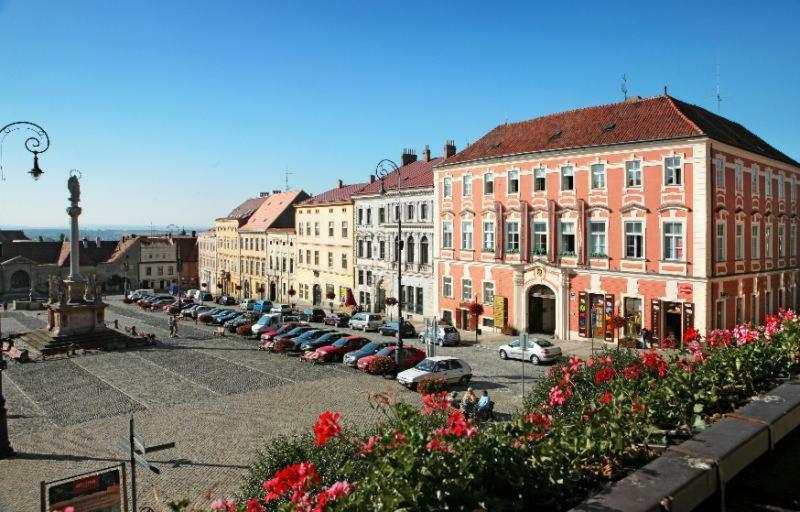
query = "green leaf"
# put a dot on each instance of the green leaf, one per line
(698, 408)
(699, 424)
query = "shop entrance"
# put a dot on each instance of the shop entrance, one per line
(541, 310)
(597, 316)
(673, 322)
(317, 295)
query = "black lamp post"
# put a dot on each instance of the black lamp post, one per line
(384, 168)
(36, 143)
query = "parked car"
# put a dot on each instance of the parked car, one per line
(321, 341)
(366, 321)
(244, 318)
(283, 309)
(410, 357)
(308, 336)
(337, 319)
(313, 315)
(390, 329)
(293, 333)
(371, 348)
(536, 351)
(277, 330)
(210, 313)
(221, 318)
(247, 304)
(451, 369)
(141, 292)
(199, 310)
(445, 335)
(265, 322)
(344, 345)
(263, 306)
(227, 300)
(205, 296)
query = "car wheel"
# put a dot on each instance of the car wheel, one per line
(534, 360)
(503, 354)
(464, 380)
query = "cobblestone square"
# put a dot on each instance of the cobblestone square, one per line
(219, 399)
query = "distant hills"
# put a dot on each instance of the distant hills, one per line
(105, 232)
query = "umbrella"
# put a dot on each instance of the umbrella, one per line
(350, 300)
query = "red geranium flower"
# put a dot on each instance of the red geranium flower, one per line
(327, 427)
(296, 478)
(435, 402)
(604, 375)
(606, 397)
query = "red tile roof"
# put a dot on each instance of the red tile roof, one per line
(417, 174)
(650, 119)
(275, 211)
(336, 195)
(91, 253)
(9, 235)
(243, 212)
(40, 252)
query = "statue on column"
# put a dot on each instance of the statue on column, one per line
(74, 187)
(91, 289)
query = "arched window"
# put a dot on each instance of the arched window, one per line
(423, 251)
(20, 279)
(410, 250)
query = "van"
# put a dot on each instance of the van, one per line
(262, 306)
(283, 309)
(366, 321)
(264, 323)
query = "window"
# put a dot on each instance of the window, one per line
(330, 228)
(344, 260)
(488, 236)
(300, 228)
(598, 176)
(488, 183)
(466, 189)
(330, 260)
(410, 212)
(597, 238)
(396, 212)
(768, 240)
(754, 309)
(513, 182)
(768, 183)
(539, 246)
(423, 251)
(754, 180)
(793, 241)
(448, 187)
(410, 250)
(768, 302)
(316, 229)
(633, 173)
(382, 250)
(447, 286)
(299, 257)
(512, 237)
(466, 235)
(360, 217)
(739, 241)
(719, 165)
(721, 241)
(466, 289)
(369, 278)
(316, 257)
(781, 249)
(567, 178)
(739, 177)
(447, 235)
(673, 171)
(739, 310)
(149, 271)
(360, 249)
(344, 229)
(673, 241)
(360, 277)
(488, 293)
(755, 241)
(793, 191)
(308, 258)
(423, 211)
(381, 215)
(780, 187)
(567, 246)
(369, 249)
(539, 179)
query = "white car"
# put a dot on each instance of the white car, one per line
(366, 322)
(536, 351)
(264, 323)
(283, 309)
(247, 304)
(452, 369)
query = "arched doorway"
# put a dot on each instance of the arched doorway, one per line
(317, 295)
(541, 310)
(20, 280)
(273, 291)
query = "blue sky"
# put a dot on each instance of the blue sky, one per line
(177, 111)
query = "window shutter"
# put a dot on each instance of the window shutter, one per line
(524, 233)
(499, 231)
(583, 314)
(552, 236)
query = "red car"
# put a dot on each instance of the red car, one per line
(337, 319)
(411, 356)
(340, 347)
(279, 329)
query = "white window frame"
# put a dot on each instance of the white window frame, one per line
(781, 187)
(719, 314)
(488, 179)
(567, 171)
(781, 240)
(447, 234)
(719, 165)
(754, 180)
(466, 185)
(561, 234)
(793, 240)
(535, 234)
(633, 174)
(739, 173)
(447, 286)
(739, 241)
(671, 171)
(447, 187)
(664, 235)
(768, 183)
(487, 247)
(755, 241)
(598, 236)
(466, 284)
(508, 239)
(597, 178)
(721, 237)
(625, 235)
(768, 239)
(483, 292)
(539, 173)
(467, 235)
(512, 176)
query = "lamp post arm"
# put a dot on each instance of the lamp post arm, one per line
(38, 142)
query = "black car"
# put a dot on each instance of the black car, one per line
(308, 336)
(370, 349)
(227, 300)
(231, 325)
(312, 315)
(390, 329)
(326, 339)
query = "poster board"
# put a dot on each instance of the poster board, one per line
(583, 315)
(499, 308)
(103, 490)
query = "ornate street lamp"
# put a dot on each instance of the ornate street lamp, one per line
(37, 143)
(383, 169)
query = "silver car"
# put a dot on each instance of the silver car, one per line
(445, 335)
(536, 351)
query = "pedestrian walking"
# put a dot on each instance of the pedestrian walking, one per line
(171, 327)
(175, 325)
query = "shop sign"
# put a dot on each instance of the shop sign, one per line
(97, 491)
(499, 308)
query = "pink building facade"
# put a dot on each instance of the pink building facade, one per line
(559, 224)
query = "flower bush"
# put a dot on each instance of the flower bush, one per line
(245, 330)
(282, 346)
(380, 365)
(431, 385)
(584, 424)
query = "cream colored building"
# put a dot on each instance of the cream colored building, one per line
(325, 234)
(229, 246)
(207, 260)
(281, 243)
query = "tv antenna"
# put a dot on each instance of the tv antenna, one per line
(718, 96)
(624, 86)
(286, 174)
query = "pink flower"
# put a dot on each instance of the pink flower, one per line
(227, 505)
(327, 427)
(604, 375)
(369, 446)
(574, 364)
(557, 396)
(437, 445)
(434, 402)
(254, 505)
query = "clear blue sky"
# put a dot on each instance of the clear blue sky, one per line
(177, 111)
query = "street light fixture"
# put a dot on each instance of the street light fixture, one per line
(384, 168)
(37, 143)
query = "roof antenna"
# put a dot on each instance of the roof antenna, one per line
(665, 91)
(624, 86)
(286, 174)
(718, 96)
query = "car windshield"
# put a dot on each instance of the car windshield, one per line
(342, 342)
(371, 347)
(449, 330)
(544, 343)
(426, 365)
(391, 325)
(387, 351)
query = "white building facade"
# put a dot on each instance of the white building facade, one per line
(207, 260)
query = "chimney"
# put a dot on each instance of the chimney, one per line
(449, 148)
(97, 241)
(372, 178)
(633, 99)
(194, 233)
(426, 153)
(339, 184)
(263, 194)
(276, 191)
(408, 156)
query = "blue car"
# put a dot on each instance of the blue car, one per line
(262, 306)
(224, 317)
